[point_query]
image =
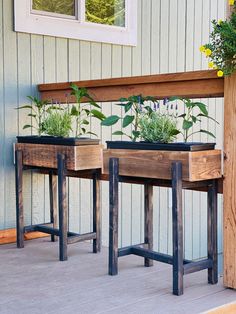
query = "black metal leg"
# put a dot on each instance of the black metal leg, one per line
(63, 210)
(113, 215)
(53, 201)
(148, 221)
(19, 199)
(96, 213)
(178, 269)
(212, 232)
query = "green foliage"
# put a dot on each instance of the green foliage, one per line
(193, 114)
(57, 123)
(57, 6)
(133, 108)
(80, 111)
(158, 127)
(222, 46)
(37, 111)
(109, 12)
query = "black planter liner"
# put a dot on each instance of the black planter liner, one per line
(54, 140)
(191, 147)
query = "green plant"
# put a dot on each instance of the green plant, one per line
(57, 123)
(134, 107)
(158, 127)
(194, 111)
(81, 112)
(37, 109)
(222, 47)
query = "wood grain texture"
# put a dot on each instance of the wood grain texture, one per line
(9, 236)
(157, 164)
(186, 84)
(229, 184)
(78, 157)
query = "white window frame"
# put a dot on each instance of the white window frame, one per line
(59, 25)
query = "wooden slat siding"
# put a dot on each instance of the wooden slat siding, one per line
(137, 191)
(38, 181)
(111, 63)
(112, 91)
(24, 83)
(10, 115)
(2, 124)
(85, 187)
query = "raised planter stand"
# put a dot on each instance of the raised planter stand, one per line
(183, 170)
(58, 160)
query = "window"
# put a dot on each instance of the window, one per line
(110, 21)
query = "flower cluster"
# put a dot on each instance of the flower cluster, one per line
(221, 50)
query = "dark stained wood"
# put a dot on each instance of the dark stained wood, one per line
(197, 266)
(96, 212)
(177, 227)
(53, 201)
(49, 230)
(80, 237)
(196, 84)
(212, 233)
(63, 210)
(19, 198)
(148, 220)
(113, 215)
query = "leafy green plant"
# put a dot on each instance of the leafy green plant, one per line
(194, 112)
(158, 127)
(37, 109)
(81, 112)
(221, 50)
(134, 107)
(57, 123)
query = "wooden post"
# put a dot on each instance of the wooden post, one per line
(113, 215)
(229, 184)
(19, 199)
(63, 210)
(177, 225)
(148, 221)
(53, 201)
(96, 212)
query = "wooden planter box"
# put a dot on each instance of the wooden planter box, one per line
(156, 164)
(79, 157)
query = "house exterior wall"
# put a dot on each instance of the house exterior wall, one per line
(169, 35)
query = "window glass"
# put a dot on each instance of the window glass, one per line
(109, 12)
(66, 7)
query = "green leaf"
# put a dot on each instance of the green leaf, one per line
(187, 124)
(74, 111)
(127, 121)
(207, 132)
(208, 117)
(173, 98)
(118, 133)
(98, 114)
(26, 126)
(24, 107)
(85, 122)
(182, 115)
(123, 99)
(110, 120)
(128, 106)
(136, 134)
(94, 104)
(194, 119)
(202, 107)
(175, 132)
(92, 133)
(32, 115)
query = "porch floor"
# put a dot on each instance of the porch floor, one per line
(34, 281)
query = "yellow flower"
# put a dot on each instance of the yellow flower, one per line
(231, 2)
(202, 49)
(208, 52)
(211, 65)
(220, 21)
(220, 73)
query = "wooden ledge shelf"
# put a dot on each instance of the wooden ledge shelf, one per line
(197, 166)
(196, 84)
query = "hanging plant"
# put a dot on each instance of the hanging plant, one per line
(221, 50)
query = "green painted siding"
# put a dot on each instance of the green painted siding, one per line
(169, 35)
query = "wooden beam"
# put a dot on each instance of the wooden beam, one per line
(197, 84)
(9, 236)
(229, 184)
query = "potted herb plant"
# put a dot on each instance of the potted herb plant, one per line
(154, 127)
(62, 129)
